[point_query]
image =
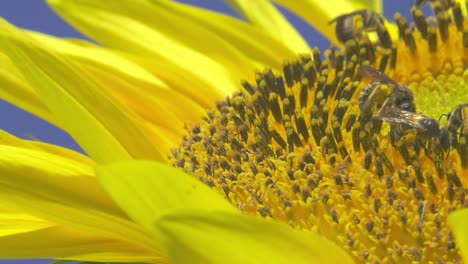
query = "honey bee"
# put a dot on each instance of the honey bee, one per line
(445, 4)
(429, 135)
(457, 120)
(382, 93)
(436, 142)
(346, 29)
(387, 100)
(424, 124)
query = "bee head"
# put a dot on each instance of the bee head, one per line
(431, 125)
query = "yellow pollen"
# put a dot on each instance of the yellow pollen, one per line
(326, 147)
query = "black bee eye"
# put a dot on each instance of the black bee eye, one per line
(430, 124)
(408, 106)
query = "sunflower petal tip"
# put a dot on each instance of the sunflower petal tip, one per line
(55, 3)
(52, 2)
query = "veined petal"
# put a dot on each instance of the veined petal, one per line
(153, 110)
(194, 236)
(65, 192)
(88, 54)
(458, 222)
(264, 15)
(145, 97)
(10, 140)
(12, 222)
(95, 121)
(153, 106)
(64, 243)
(180, 83)
(263, 48)
(319, 13)
(141, 28)
(166, 137)
(146, 190)
(15, 89)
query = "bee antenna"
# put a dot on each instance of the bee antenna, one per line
(440, 117)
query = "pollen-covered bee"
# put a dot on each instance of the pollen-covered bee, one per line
(458, 119)
(381, 93)
(445, 4)
(455, 133)
(457, 125)
(420, 122)
(425, 125)
(347, 28)
(428, 134)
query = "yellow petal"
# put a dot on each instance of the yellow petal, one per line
(256, 44)
(180, 82)
(194, 236)
(149, 101)
(458, 222)
(145, 190)
(141, 28)
(319, 13)
(64, 243)
(263, 14)
(156, 112)
(63, 191)
(463, 6)
(96, 122)
(15, 89)
(10, 140)
(90, 55)
(12, 222)
(376, 5)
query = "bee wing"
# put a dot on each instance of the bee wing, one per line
(397, 116)
(380, 18)
(458, 115)
(421, 3)
(464, 117)
(464, 110)
(375, 75)
(351, 14)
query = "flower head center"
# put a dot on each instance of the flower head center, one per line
(327, 147)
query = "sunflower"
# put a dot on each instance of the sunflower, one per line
(359, 154)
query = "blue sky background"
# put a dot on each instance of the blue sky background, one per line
(35, 15)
